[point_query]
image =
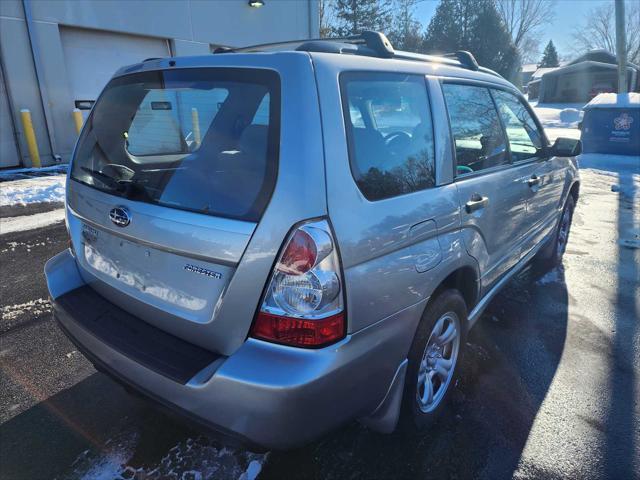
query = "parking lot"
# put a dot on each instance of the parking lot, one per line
(549, 386)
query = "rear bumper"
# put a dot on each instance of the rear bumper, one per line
(270, 395)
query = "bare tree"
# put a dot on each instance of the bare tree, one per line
(523, 20)
(326, 12)
(406, 31)
(599, 31)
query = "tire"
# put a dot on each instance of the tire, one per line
(426, 361)
(551, 255)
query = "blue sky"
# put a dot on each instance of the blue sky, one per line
(569, 15)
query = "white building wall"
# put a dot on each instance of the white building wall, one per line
(68, 31)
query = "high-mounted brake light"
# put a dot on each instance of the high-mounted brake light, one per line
(303, 304)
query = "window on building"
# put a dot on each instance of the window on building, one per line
(476, 129)
(173, 120)
(525, 139)
(390, 133)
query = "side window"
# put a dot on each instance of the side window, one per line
(390, 133)
(525, 139)
(476, 129)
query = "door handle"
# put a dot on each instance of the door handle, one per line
(476, 203)
(534, 181)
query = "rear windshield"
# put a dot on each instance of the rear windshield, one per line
(204, 140)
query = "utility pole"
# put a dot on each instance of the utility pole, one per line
(621, 47)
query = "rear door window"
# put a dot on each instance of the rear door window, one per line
(389, 132)
(479, 139)
(204, 140)
(525, 138)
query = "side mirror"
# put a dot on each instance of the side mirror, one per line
(565, 147)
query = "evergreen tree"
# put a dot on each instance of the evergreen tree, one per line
(473, 25)
(354, 16)
(549, 56)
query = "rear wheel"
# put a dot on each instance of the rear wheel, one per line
(551, 256)
(433, 360)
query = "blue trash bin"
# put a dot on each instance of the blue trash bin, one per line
(611, 124)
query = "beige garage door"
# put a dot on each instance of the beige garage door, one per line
(92, 56)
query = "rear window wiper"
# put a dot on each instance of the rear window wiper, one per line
(128, 187)
(134, 188)
(107, 180)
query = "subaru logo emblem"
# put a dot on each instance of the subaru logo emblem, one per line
(120, 216)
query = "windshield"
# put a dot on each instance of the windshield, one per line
(204, 140)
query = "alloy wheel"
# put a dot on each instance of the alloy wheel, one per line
(438, 362)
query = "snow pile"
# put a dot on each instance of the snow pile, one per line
(30, 222)
(560, 119)
(570, 115)
(33, 190)
(615, 100)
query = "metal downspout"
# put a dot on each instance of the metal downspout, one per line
(14, 130)
(310, 17)
(44, 97)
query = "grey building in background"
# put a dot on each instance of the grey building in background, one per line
(581, 79)
(58, 53)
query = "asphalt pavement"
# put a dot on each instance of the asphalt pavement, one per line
(549, 387)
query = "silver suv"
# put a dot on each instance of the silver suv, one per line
(280, 239)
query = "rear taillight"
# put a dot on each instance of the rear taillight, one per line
(303, 304)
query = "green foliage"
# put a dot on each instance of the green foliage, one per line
(473, 25)
(549, 56)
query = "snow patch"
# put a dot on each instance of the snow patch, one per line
(193, 459)
(109, 465)
(33, 190)
(12, 246)
(30, 222)
(33, 308)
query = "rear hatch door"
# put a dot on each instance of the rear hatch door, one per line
(170, 178)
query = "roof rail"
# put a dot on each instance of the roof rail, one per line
(465, 58)
(367, 43)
